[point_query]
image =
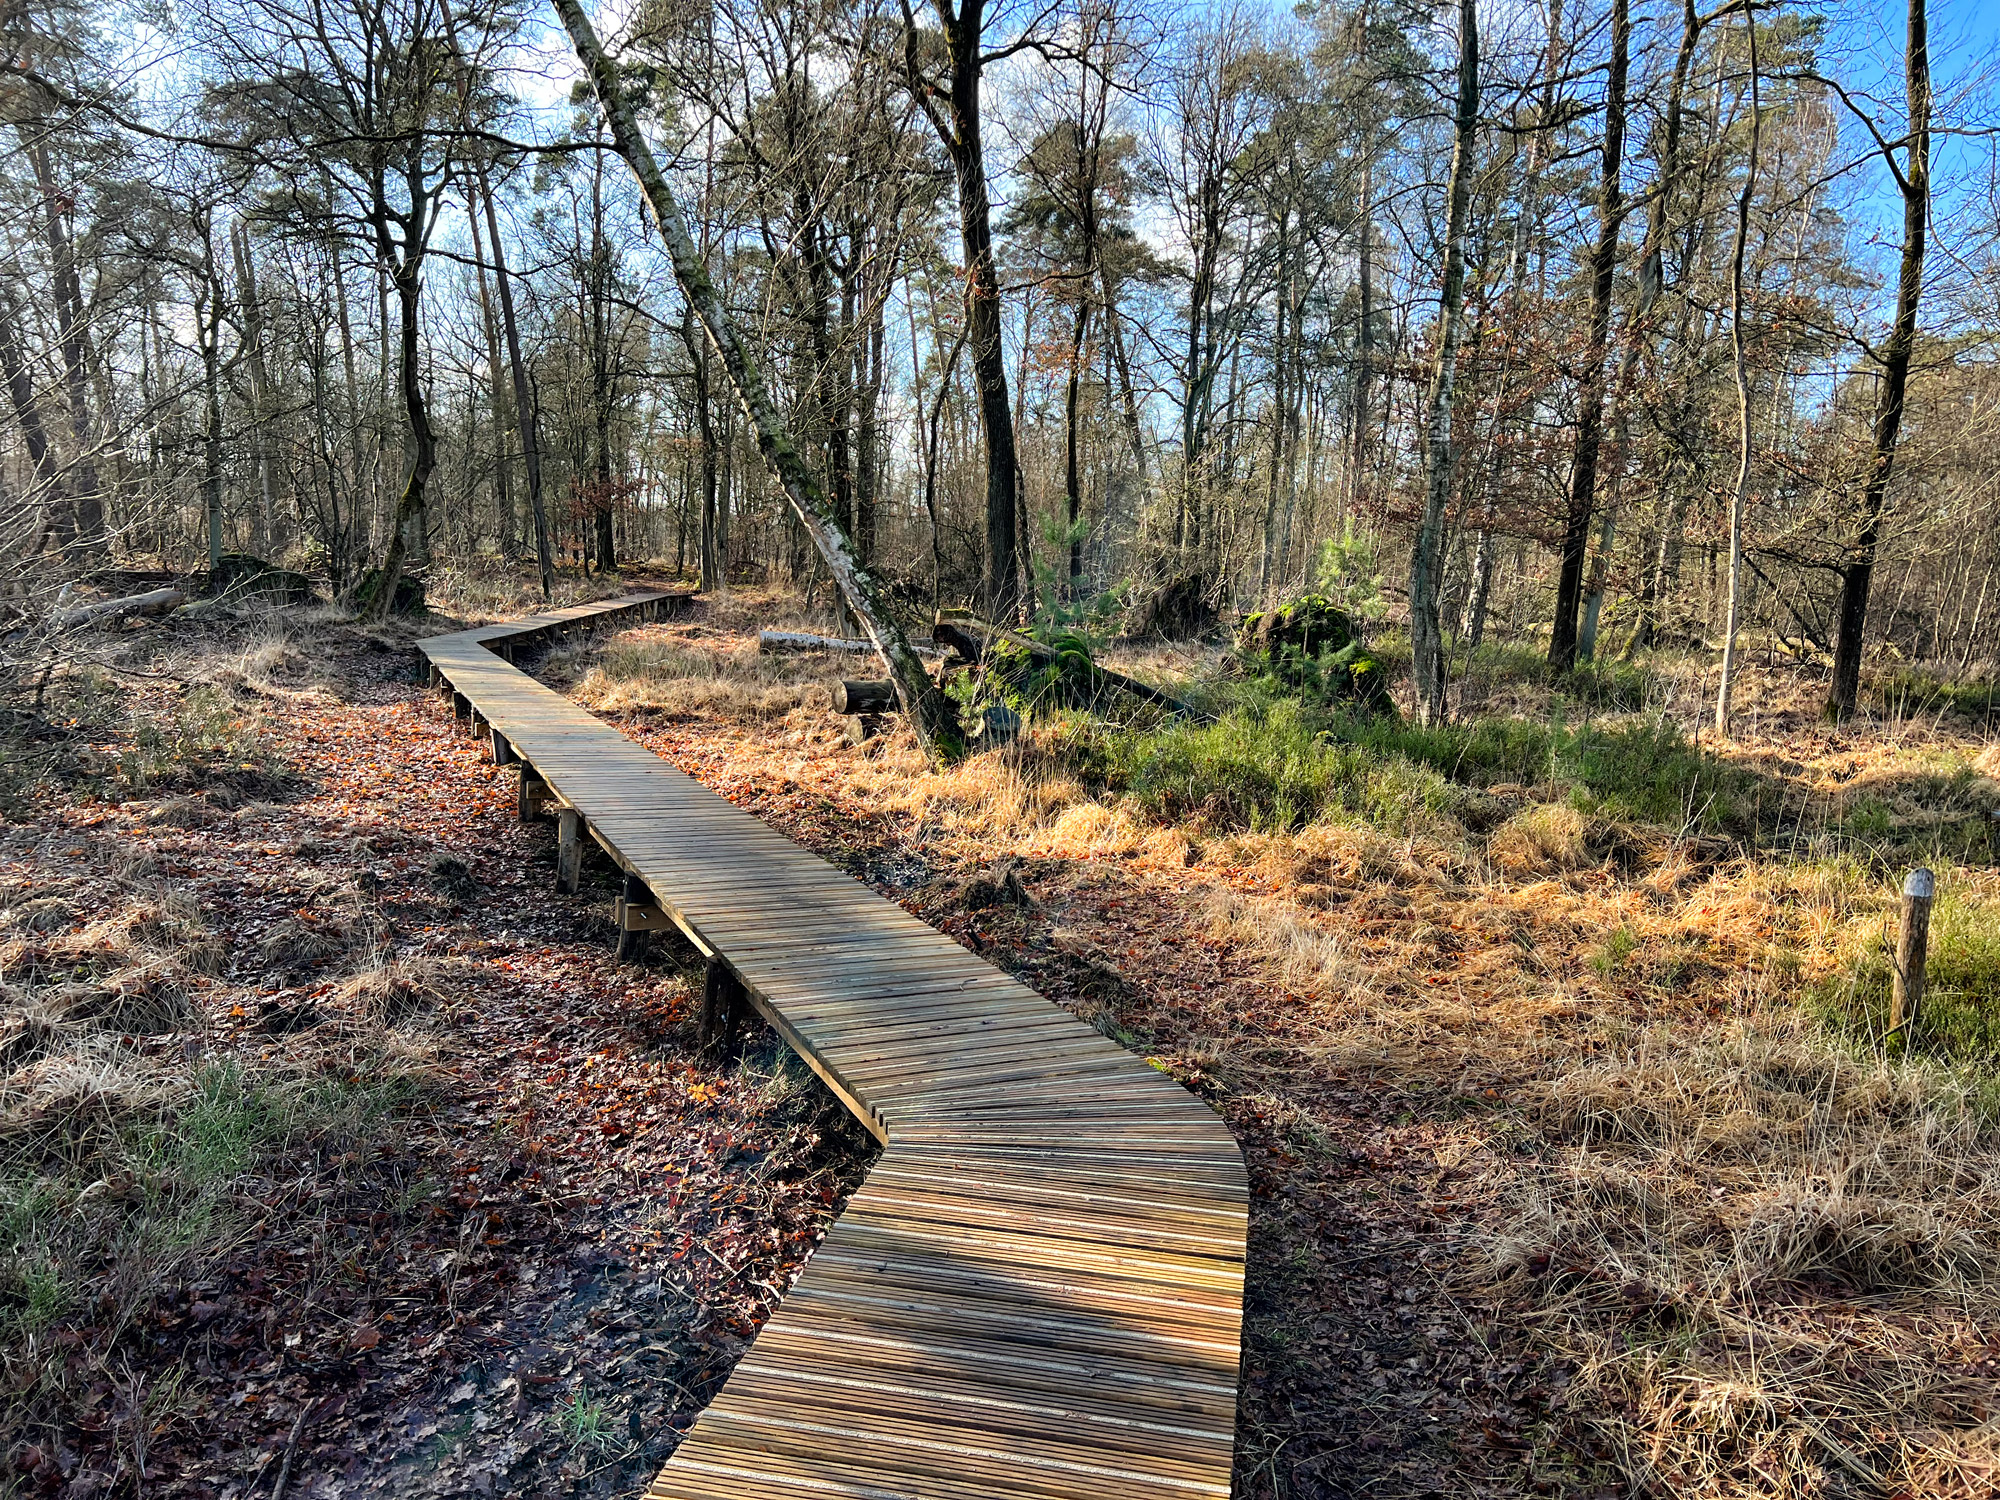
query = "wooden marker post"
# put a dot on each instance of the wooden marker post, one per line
(569, 850)
(1913, 946)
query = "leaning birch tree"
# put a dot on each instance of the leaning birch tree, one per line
(930, 714)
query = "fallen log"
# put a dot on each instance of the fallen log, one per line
(153, 602)
(878, 697)
(973, 640)
(805, 640)
(802, 640)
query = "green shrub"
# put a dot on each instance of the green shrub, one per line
(1279, 762)
(1262, 767)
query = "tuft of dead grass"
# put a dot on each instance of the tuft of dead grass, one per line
(1711, 1223)
(1544, 839)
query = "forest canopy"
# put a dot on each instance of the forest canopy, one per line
(1595, 326)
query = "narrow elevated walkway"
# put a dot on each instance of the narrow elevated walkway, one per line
(1038, 1291)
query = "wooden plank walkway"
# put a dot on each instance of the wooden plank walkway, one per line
(1038, 1290)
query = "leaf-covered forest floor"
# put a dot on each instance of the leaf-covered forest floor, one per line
(330, 1140)
(326, 1129)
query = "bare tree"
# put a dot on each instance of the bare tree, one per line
(1426, 628)
(1913, 182)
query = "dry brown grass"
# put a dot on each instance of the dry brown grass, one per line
(1768, 1259)
(1771, 1263)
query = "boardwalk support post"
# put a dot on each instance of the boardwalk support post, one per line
(533, 789)
(723, 1001)
(569, 850)
(637, 914)
(503, 753)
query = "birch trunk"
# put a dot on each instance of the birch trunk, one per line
(929, 713)
(1427, 558)
(1723, 692)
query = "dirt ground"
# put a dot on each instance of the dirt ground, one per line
(521, 1266)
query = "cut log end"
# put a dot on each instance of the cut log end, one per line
(867, 696)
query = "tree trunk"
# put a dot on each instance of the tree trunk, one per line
(1072, 423)
(86, 500)
(930, 714)
(869, 352)
(1590, 403)
(1427, 558)
(211, 385)
(957, 123)
(509, 524)
(60, 526)
(1128, 398)
(1741, 358)
(709, 547)
(1364, 345)
(269, 538)
(524, 401)
(1914, 182)
(1652, 276)
(410, 521)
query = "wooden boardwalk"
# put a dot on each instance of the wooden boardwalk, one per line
(1038, 1290)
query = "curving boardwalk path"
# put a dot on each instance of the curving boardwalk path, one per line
(1038, 1290)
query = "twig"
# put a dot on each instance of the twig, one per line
(291, 1448)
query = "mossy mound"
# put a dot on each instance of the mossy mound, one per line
(239, 575)
(1309, 647)
(409, 593)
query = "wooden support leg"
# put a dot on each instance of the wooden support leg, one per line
(631, 939)
(723, 1002)
(533, 789)
(503, 753)
(569, 850)
(461, 706)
